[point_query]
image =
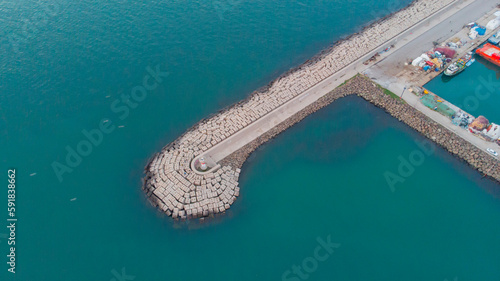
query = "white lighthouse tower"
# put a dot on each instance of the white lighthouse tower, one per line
(203, 165)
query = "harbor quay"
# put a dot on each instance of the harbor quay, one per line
(365, 88)
(400, 74)
(197, 175)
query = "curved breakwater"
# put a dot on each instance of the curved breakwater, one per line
(174, 184)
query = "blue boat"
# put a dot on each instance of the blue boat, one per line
(470, 62)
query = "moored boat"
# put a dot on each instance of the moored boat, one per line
(490, 52)
(460, 65)
(495, 39)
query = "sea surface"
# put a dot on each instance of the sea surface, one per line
(317, 196)
(476, 90)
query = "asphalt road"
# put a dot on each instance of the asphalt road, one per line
(439, 33)
(384, 72)
(412, 41)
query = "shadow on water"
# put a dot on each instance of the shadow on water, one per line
(447, 79)
(488, 65)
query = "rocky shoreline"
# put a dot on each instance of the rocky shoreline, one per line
(175, 188)
(400, 110)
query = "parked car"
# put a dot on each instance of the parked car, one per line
(492, 152)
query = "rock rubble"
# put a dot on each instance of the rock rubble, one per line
(176, 189)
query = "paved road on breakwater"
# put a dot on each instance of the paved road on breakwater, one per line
(436, 26)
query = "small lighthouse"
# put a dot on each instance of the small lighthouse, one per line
(203, 165)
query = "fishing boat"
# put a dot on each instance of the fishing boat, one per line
(460, 65)
(490, 52)
(495, 39)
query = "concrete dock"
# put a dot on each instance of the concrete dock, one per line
(392, 74)
(175, 180)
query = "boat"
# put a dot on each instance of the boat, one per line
(490, 52)
(495, 39)
(460, 65)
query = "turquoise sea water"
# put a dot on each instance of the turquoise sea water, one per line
(322, 179)
(476, 90)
